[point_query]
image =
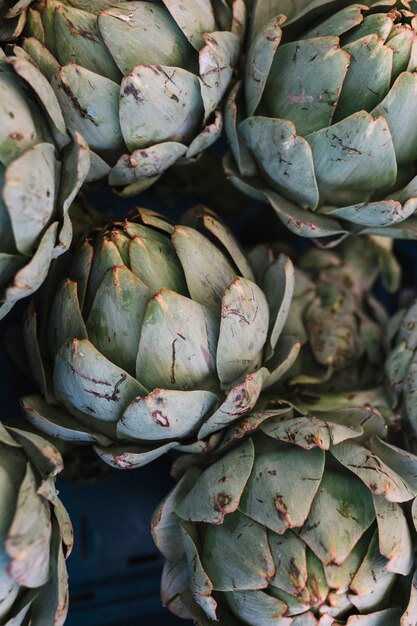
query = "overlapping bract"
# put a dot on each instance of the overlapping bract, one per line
(339, 322)
(159, 339)
(142, 81)
(323, 127)
(305, 524)
(41, 170)
(401, 364)
(12, 18)
(35, 532)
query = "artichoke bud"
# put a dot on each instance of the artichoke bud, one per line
(337, 320)
(306, 522)
(142, 81)
(319, 128)
(158, 338)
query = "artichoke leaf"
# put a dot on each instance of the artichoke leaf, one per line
(90, 104)
(208, 278)
(395, 542)
(357, 150)
(165, 414)
(194, 19)
(177, 346)
(393, 108)
(257, 608)
(258, 65)
(376, 474)
(240, 400)
(30, 192)
(31, 276)
(282, 487)
(284, 158)
(65, 318)
(159, 103)
(304, 223)
(165, 524)
(304, 83)
(243, 331)
(232, 543)
(144, 166)
(56, 422)
(210, 133)
(340, 514)
(200, 583)
(143, 33)
(368, 79)
(219, 489)
(372, 582)
(115, 319)
(88, 382)
(216, 62)
(132, 457)
(78, 41)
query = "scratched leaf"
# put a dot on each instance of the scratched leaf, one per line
(333, 536)
(218, 490)
(159, 103)
(304, 83)
(278, 495)
(165, 414)
(177, 347)
(88, 382)
(243, 331)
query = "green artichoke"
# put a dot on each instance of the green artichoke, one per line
(142, 81)
(35, 532)
(323, 127)
(158, 339)
(401, 365)
(308, 523)
(12, 18)
(41, 170)
(340, 323)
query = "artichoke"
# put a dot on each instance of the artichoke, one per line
(158, 338)
(142, 81)
(323, 126)
(12, 18)
(41, 171)
(308, 523)
(35, 532)
(340, 323)
(401, 365)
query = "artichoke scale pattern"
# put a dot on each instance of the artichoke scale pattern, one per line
(42, 168)
(159, 338)
(35, 532)
(12, 18)
(141, 81)
(322, 125)
(305, 524)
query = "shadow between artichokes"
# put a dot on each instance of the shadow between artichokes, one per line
(322, 127)
(142, 81)
(311, 522)
(158, 338)
(42, 167)
(35, 532)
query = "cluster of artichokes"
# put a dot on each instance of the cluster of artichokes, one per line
(280, 376)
